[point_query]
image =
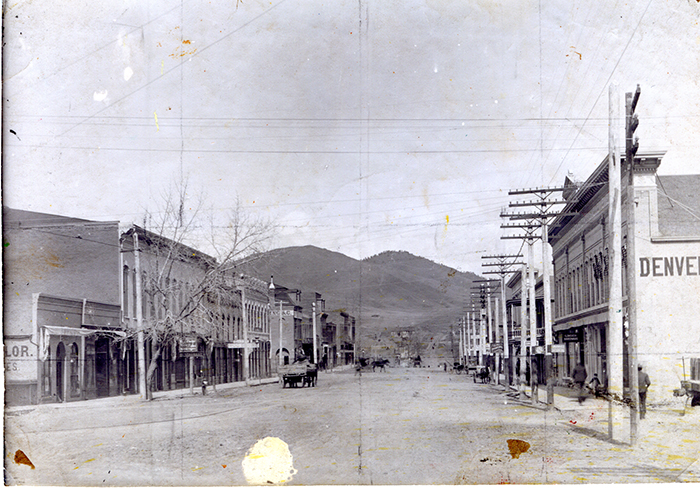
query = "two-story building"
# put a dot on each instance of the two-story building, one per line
(667, 272)
(61, 308)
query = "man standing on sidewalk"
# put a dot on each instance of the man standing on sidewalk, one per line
(643, 386)
(579, 376)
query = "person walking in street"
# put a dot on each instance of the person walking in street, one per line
(644, 383)
(579, 376)
(595, 386)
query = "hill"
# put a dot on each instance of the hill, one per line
(391, 291)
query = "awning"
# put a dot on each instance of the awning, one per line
(57, 330)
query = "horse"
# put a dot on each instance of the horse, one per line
(379, 363)
(310, 378)
(484, 375)
(458, 368)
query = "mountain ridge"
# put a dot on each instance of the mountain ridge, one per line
(392, 290)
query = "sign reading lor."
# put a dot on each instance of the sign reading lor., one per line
(20, 360)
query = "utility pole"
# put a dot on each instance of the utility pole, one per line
(313, 321)
(538, 217)
(465, 360)
(140, 341)
(504, 263)
(614, 336)
(533, 318)
(543, 210)
(485, 288)
(281, 359)
(246, 349)
(631, 146)
(472, 348)
(492, 342)
(529, 229)
(482, 327)
(461, 341)
(471, 331)
(523, 330)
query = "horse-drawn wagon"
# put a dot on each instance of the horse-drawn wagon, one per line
(691, 387)
(301, 373)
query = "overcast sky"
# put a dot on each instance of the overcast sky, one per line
(357, 126)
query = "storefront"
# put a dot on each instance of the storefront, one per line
(666, 272)
(78, 359)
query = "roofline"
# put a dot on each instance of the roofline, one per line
(149, 235)
(592, 186)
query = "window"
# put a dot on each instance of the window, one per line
(133, 293)
(125, 291)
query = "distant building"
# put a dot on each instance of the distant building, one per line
(286, 313)
(514, 288)
(61, 308)
(304, 333)
(258, 324)
(667, 273)
(339, 338)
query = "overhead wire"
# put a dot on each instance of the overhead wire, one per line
(605, 85)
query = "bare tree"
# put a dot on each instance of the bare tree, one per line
(184, 288)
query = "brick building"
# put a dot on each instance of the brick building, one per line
(200, 322)
(61, 308)
(667, 273)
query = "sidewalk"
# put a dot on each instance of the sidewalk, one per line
(157, 395)
(668, 440)
(136, 398)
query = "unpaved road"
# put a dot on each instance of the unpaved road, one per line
(402, 426)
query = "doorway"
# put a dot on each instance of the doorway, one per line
(60, 362)
(102, 366)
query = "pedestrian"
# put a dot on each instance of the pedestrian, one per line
(644, 383)
(579, 376)
(594, 385)
(535, 375)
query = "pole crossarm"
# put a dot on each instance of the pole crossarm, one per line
(503, 256)
(542, 203)
(520, 226)
(505, 272)
(500, 264)
(484, 286)
(526, 191)
(522, 237)
(529, 215)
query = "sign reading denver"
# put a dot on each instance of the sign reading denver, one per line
(669, 266)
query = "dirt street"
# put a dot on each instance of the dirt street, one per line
(402, 426)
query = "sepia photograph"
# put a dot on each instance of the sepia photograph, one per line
(420, 242)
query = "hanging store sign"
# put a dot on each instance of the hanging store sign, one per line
(285, 313)
(558, 348)
(669, 266)
(189, 344)
(572, 335)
